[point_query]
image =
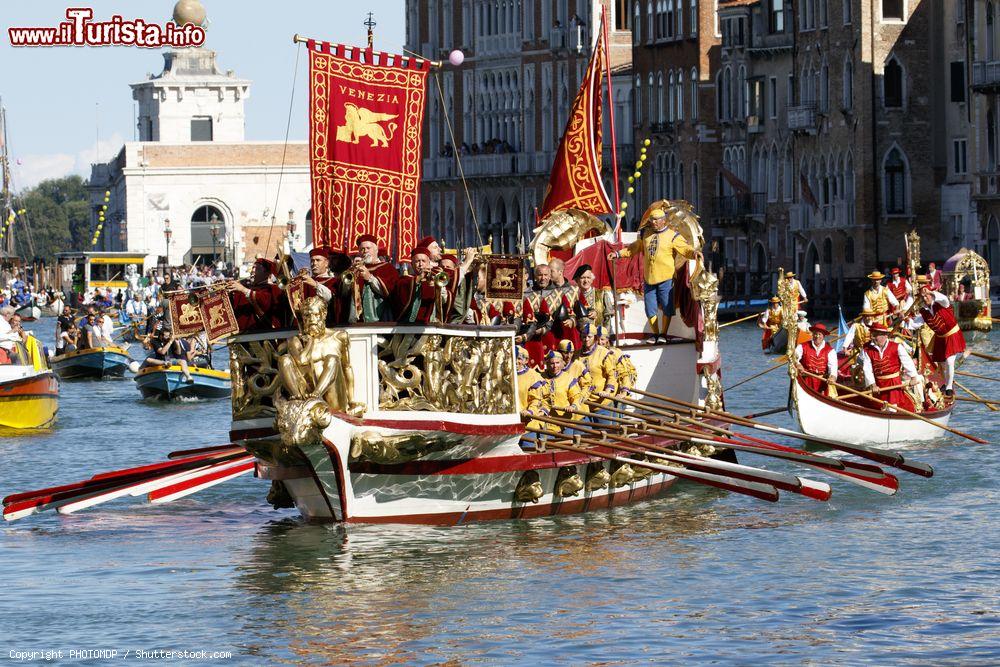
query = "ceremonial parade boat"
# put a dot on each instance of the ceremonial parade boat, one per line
(93, 363)
(29, 391)
(168, 382)
(423, 421)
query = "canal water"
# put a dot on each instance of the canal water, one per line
(699, 574)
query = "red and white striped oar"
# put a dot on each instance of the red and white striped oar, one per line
(200, 481)
(107, 486)
(149, 486)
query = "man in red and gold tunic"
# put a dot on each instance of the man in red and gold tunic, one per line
(817, 357)
(879, 299)
(901, 289)
(262, 306)
(418, 299)
(546, 303)
(770, 321)
(374, 282)
(886, 365)
(938, 314)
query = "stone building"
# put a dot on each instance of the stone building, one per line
(980, 29)
(191, 189)
(843, 125)
(507, 107)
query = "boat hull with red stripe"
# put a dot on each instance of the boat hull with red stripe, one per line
(825, 417)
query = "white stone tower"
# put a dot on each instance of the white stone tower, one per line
(191, 100)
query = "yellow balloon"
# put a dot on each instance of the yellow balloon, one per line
(639, 164)
(631, 190)
(624, 205)
(646, 142)
(22, 211)
(107, 193)
(637, 174)
(631, 179)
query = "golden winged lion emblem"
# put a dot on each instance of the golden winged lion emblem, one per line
(361, 122)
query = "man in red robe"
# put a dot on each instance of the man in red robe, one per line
(937, 313)
(374, 282)
(547, 304)
(817, 357)
(901, 289)
(324, 283)
(262, 306)
(886, 365)
(418, 299)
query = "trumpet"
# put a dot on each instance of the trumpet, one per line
(440, 279)
(347, 277)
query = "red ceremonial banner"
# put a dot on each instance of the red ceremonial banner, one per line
(218, 316)
(366, 112)
(576, 181)
(185, 316)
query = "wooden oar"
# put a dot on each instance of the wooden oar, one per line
(752, 377)
(977, 375)
(781, 481)
(887, 457)
(977, 398)
(742, 319)
(754, 489)
(902, 410)
(765, 413)
(863, 474)
(983, 355)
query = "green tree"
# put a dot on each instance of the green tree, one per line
(58, 219)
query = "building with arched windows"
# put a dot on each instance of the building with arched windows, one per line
(191, 189)
(498, 118)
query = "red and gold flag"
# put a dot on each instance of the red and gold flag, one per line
(185, 315)
(217, 315)
(366, 111)
(576, 181)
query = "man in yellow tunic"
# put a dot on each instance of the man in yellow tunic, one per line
(659, 244)
(600, 362)
(879, 299)
(561, 390)
(625, 372)
(575, 366)
(529, 385)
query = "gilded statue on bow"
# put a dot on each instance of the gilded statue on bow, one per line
(706, 290)
(318, 362)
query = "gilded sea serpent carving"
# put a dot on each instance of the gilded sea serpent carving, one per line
(435, 372)
(381, 448)
(568, 482)
(253, 367)
(529, 488)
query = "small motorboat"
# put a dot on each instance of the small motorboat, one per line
(167, 382)
(94, 363)
(29, 390)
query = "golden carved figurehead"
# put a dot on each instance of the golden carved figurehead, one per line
(314, 316)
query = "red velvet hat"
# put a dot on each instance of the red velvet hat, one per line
(420, 250)
(895, 271)
(879, 329)
(366, 237)
(426, 241)
(320, 251)
(272, 267)
(819, 327)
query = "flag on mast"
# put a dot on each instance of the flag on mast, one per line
(576, 180)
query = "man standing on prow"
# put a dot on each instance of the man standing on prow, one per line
(660, 245)
(374, 282)
(938, 314)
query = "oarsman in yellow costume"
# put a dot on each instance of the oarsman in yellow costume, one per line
(576, 367)
(529, 385)
(625, 373)
(660, 245)
(859, 333)
(770, 321)
(795, 287)
(561, 391)
(599, 361)
(879, 299)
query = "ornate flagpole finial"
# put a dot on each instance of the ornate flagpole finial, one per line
(370, 23)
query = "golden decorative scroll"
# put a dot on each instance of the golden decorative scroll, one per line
(441, 373)
(706, 290)
(381, 448)
(597, 477)
(254, 370)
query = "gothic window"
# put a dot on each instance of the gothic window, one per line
(827, 251)
(892, 84)
(694, 94)
(848, 99)
(895, 179)
(776, 16)
(671, 97)
(679, 115)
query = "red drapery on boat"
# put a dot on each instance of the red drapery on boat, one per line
(628, 272)
(576, 181)
(366, 110)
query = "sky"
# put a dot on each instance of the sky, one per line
(66, 104)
